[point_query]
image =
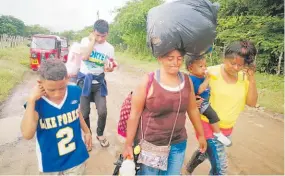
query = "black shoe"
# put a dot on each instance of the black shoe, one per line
(196, 159)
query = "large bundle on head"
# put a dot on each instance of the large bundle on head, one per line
(184, 24)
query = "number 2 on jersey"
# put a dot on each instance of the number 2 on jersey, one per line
(64, 145)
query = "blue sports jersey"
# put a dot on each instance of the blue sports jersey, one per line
(59, 143)
(196, 83)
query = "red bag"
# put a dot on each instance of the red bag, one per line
(126, 108)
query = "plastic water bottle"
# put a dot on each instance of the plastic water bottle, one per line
(128, 168)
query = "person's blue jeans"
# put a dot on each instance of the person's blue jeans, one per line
(216, 152)
(175, 162)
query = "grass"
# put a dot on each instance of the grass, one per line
(271, 92)
(141, 62)
(270, 87)
(13, 63)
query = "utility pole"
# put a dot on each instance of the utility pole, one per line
(97, 14)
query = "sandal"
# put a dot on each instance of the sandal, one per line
(103, 142)
(89, 149)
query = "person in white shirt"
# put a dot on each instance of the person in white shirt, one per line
(97, 54)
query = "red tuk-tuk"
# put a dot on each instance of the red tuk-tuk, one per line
(64, 49)
(44, 47)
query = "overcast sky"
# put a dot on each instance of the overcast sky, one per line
(59, 15)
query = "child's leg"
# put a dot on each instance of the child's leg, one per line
(77, 170)
(215, 127)
(50, 173)
(211, 114)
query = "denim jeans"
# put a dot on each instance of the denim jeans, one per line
(216, 153)
(101, 107)
(218, 158)
(175, 162)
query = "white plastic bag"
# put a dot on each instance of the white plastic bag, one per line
(74, 59)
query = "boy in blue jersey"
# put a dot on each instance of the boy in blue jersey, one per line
(53, 115)
(200, 77)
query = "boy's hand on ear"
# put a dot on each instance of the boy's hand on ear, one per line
(37, 92)
(92, 37)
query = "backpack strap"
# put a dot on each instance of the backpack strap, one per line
(150, 80)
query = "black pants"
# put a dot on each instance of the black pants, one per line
(211, 114)
(101, 107)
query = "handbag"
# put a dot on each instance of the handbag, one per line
(152, 155)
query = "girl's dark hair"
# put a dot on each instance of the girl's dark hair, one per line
(244, 49)
(181, 51)
(101, 26)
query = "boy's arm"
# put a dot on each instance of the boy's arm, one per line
(87, 51)
(87, 132)
(30, 120)
(204, 85)
(83, 124)
(194, 115)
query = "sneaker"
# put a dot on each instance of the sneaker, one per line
(223, 139)
(196, 159)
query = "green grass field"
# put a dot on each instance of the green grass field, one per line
(270, 87)
(13, 63)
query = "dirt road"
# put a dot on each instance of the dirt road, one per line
(258, 139)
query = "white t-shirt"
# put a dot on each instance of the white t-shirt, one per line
(98, 58)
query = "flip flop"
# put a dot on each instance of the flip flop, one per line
(104, 142)
(89, 149)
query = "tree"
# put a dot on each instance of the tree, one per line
(251, 7)
(11, 26)
(82, 33)
(36, 29)
(260, 21)
(68, 34)
(129, 26)
(8, 29)
(265, 31)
